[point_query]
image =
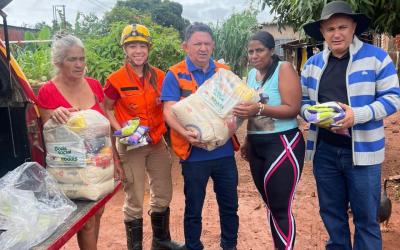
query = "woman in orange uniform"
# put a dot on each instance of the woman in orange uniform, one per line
(133, 91)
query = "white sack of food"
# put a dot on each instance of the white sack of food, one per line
(80, 155)
(224, 90)
(92, 192)
(75, 143)
(89, 175)
(194, 114)
(209, 109)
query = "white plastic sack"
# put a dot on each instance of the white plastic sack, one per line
(75, 144)
(32, 206)
(80, 154)
(88, 191)
(224, 90)
(87, 175)
(193, 113)
(209, 109)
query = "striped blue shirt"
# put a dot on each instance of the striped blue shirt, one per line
(373, 93)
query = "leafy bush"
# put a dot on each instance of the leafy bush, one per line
(166, 50)
(122, 14)
(88, 26)
(101, 39)
(34, 58)
(104, 55)
(35, 64)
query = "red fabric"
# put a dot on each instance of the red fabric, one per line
(110, 91)
(50, 98)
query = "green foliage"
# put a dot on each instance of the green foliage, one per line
(34, 58)
(101, 38)
(88, 25)
(41, 25)
(44, 34)
(166, 13)
(166, 50)
(383, 13)
(35, 64)
(57, 27)
(231, 38)
(103, 54)
(122, 14)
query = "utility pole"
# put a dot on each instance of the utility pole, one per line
(59, 13)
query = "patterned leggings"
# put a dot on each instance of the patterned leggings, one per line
(276, 163)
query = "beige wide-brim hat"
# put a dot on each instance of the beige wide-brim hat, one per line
(334, 8)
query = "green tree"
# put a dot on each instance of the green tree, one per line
(143, 5)
(295, 13)
(41, 25)
(166, 13)
(88, 25)
(101, 38)
(231, 38)
(104, 54)
(122, 14)
(166, 50)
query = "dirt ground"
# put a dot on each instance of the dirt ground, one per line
(254, 231)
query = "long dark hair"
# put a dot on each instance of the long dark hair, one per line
(148, 70)
(269, 42)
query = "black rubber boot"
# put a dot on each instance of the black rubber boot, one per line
(161, 235)
(134, 234)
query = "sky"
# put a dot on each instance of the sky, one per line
(30, 12)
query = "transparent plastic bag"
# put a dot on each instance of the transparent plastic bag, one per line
(32, 206)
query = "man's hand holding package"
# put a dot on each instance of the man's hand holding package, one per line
(209, 110)
(347, 121)
(334, 116)
(193, 137)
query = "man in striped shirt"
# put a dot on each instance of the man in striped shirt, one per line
(347, 169)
